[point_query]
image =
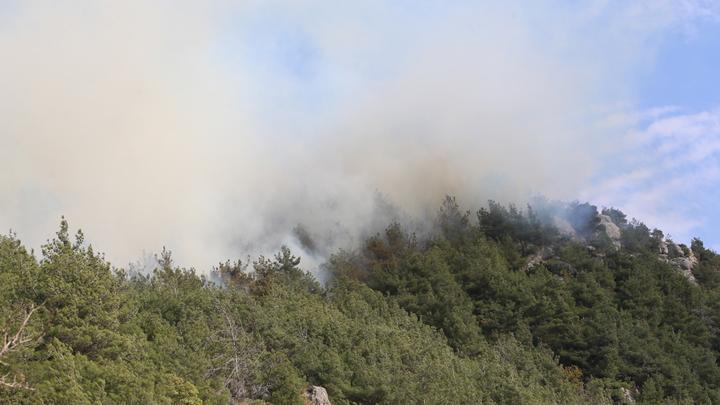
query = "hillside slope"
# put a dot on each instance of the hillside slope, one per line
(558, 303)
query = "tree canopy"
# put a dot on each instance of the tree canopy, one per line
(497, 307)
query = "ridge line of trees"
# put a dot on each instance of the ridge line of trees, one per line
(500, 307)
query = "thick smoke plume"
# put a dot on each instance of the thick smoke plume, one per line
(223, 129)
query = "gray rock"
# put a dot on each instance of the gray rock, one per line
(693, 259)
(674, 250)
(682, 258)
(316, 395)
(539, 257)
(610, 229)
(685, 265)
(627, 396)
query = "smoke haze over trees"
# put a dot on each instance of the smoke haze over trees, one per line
(259, 182)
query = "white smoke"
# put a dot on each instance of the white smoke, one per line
(215, 127)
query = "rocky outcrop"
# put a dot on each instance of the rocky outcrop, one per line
(675, 251)
(693, 259)
(610, 229)
(627, 397)
(316, 395)
(679, 256)
(542, 255)
(685, 266)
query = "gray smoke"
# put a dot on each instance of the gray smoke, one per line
(222, 129)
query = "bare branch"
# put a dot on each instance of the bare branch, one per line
(15, 384)
(20, 337)
(237, 359)
(13, 342)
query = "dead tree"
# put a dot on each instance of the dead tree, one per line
(14, 342)
(237, 359)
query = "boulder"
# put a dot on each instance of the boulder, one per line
(539, 257)
(611, 230)
(693, 259)
(683, 258)
(683, 263)
(674, 250)
(316, 395)
(626, 397)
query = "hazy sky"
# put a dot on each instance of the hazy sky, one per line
(215, 127)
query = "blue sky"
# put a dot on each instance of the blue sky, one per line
(685, 70)
(668, 177)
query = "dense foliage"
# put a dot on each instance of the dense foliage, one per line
(500, 307)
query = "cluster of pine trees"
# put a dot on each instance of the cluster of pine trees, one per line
(457, 317)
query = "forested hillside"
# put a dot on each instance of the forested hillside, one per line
(557, 303)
